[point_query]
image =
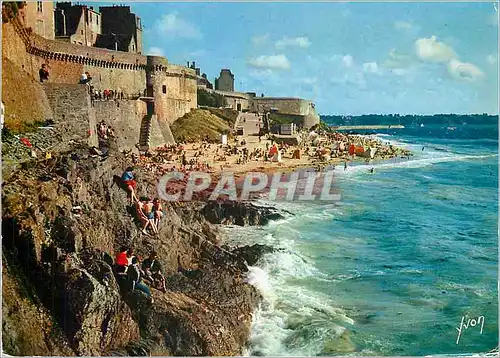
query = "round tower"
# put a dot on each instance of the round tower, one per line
(156, 84)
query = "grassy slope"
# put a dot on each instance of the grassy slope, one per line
(197, 124)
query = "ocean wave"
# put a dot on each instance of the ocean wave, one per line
(411, 164)
(289, 310)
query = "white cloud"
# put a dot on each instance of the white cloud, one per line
(429, 49)
(356, 79)
(347, 60)
(171, 26)
(301, 41)
(309, 80)
(197, 53)
(156, 51)
(402, 25)
(492, 59)
(397, 60)
(259, 40)
(261, 74)
(400, 71)
(272, 62)
(371, 67)
(464, 71)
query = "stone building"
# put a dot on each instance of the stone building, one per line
(112, 27)
(156, 92)
(202, 79)
(77, 24)
(296, 110)
(225, 82)
(121, 29)
(39, 16)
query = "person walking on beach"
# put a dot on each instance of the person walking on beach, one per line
(345, 166)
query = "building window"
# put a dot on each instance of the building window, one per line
(81, 32)
(90, 17)
(164, 89)
(97, 20)
(39, 6)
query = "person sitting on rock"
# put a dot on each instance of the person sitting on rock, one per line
(150, 214)
(143, 218)
(130, 256)
(158, 211)
(135, 279)
(129, 182)
(121, 261)
(153, 271)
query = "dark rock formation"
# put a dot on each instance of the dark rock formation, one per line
(54, 277)
(239, 213)
(252, 254)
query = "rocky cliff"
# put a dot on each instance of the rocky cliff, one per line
(61, 298)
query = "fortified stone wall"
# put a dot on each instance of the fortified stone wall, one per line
(74, 115)
(288, 106)
(113, 70)
(125, 117)
(174, 88)
(284, 105)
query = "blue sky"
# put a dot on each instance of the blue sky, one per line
(350, 58)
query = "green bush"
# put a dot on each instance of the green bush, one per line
(208, 99)
(10, 9)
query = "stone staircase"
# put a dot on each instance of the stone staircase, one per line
(145, 134)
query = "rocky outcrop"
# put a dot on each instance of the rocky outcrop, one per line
(239, 213)
(96, 318)
(206, 310)
(252, 254)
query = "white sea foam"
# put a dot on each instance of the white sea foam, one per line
(289, 305)
(411, 164)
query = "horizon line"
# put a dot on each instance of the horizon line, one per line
(409, 114)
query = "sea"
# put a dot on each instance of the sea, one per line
(406, 257)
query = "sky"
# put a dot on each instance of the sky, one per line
(349, 58)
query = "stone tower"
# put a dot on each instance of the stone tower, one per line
(156, 90)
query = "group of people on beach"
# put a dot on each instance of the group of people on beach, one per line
(149, 212)
(131, 273)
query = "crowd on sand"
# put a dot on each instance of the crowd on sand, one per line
(247, 154)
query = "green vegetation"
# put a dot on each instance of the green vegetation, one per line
(209, 99)
(10, 9)
(227, 114)
(200, 124)
(279, 118)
